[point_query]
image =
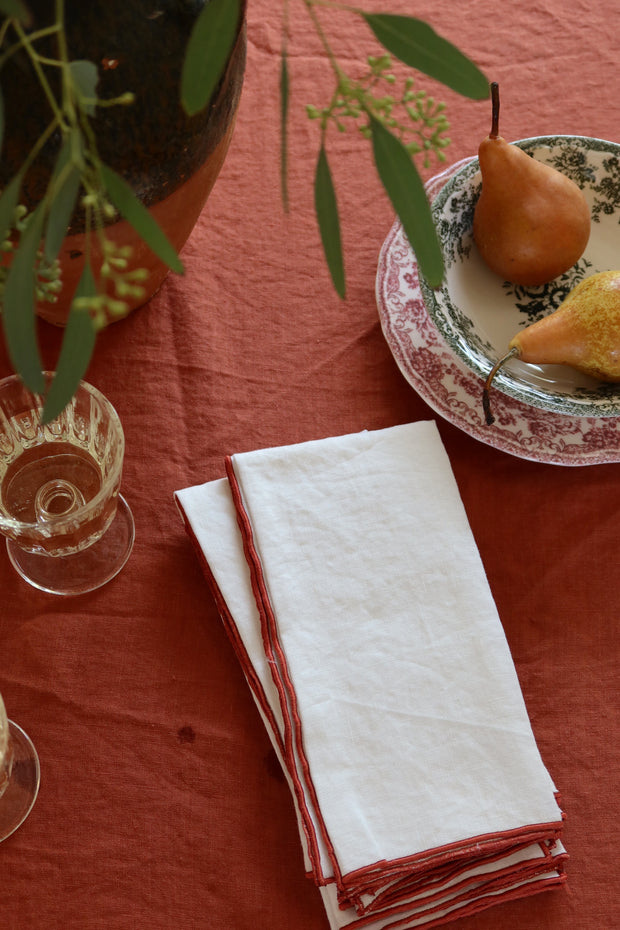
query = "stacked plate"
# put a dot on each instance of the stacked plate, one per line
(446, 341)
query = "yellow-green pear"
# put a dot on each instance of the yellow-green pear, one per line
(584, 332)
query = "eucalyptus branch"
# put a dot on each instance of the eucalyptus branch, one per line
(334, 5)
(68, 87)
(398, 126)
(36, 64)
(122, 100)
(78, 173)
(310, 7)
(32, 37)
(39, 145)
(62, 37)
(4, 28)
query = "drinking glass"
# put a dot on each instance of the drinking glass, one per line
(19, 775)
(68, 528)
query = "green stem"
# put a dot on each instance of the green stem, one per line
(3, 32)
(31, 38)
(310, 4)
(39, 145)
(36, 64)
(334, 5)
(68, 90)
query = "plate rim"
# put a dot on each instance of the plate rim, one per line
(503, 436)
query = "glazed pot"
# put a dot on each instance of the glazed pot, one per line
(171, 160)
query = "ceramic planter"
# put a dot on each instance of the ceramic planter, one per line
(170, 159)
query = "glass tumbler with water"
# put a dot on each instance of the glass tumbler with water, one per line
(19, 775)
(68, 528)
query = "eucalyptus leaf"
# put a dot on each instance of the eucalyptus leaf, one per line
(85, 77)
(405, 189)
(18, 316)
(284, 100)
(419, 46)
(77, 348)
(16, 9)
(65, 187)
(138, 216)
(8, 202)
(326, 208)
(207, 52)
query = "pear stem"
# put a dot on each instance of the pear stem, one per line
(494, 111)
(486, 400)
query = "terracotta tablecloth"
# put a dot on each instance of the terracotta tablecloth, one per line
(162, 803)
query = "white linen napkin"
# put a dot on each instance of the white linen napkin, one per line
(351, 586)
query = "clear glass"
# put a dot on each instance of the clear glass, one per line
(68, 528)
(19, 775)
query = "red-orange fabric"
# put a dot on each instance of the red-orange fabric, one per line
(161, 801)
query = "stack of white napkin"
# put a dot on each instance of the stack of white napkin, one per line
(352, 589)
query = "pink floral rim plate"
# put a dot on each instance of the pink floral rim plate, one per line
(454, 391)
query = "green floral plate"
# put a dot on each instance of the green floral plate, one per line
(478, 314)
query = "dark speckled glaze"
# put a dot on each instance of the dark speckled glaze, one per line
(170, 159)
(138, 45)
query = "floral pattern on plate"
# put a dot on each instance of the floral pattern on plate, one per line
(477, 313)
(454, 391)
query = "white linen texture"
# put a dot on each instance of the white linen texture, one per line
(350, 582)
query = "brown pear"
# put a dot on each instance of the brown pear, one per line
(531, 222)
(584, 332)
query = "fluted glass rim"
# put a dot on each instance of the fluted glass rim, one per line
(63, 523)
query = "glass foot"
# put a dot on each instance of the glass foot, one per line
(84, 571)
(23, 787)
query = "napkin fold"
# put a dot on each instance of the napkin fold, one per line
(352, 589)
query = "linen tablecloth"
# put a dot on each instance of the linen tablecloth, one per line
(162, 802)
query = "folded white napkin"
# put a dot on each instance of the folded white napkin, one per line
(351, 586)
